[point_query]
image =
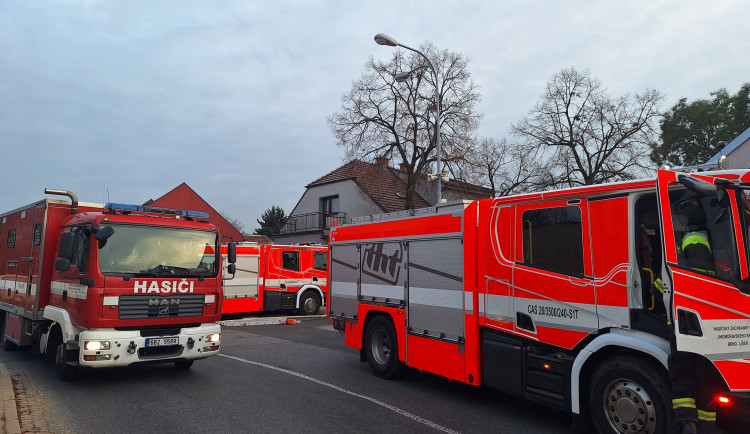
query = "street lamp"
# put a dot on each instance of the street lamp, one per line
(383, 39)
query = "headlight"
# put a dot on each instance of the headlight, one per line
(96, 345)
(213, 337)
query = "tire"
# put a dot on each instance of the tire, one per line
(183, 365)
(50, 353)
(381, 348)
(7, 344)
(67, 363)
(309, 304)
(627, 395)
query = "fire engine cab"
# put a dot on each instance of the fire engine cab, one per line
(548, 296)
(277, 277)
(110, 285)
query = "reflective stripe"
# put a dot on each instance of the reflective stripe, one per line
(659, 285)
(683, 403)
(707, 416)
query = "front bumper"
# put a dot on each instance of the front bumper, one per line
(129, 346)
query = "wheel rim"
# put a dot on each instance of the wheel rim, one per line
(628, 407)
(381, 347)
(310, 305)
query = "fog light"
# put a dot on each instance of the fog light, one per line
(96, 345)
(97, 357)
(213, 337)
(211, 348)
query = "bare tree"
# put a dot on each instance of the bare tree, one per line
(506, 167)
(235, 222)
(586, 137)
(382, 118)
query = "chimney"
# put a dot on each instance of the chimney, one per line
(402, 168)
(381, 161)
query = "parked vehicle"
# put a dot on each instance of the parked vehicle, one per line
(548, 296)
(110, 285)
(277, 277)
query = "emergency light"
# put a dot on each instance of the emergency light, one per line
(167, 211)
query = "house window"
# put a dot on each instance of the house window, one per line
(330, 209)
(553, 239)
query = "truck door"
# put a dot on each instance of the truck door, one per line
(554, 295)
(705, 222)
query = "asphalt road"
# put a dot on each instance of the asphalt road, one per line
(268, 378)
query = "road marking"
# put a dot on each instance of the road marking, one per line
(392, 408)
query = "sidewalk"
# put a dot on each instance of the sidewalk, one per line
(8, 412)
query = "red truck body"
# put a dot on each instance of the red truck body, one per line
(548, 295)
(109, 285)
(277, 277)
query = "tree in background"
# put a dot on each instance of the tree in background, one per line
(235, 222)
(692, 133)
(584, 136)
(382, 118)
(506, 167)
(271, 221)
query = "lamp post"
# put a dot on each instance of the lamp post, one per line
(383, 39)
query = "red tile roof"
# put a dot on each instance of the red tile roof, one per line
(378, 181)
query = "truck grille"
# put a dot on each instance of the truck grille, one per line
(149, 306)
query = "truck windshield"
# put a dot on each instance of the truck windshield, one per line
(143, 251)
(703, 232)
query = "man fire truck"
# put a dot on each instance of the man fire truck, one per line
(110, 285)
(547, 296)
(277, 277)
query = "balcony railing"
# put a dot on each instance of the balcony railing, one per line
(313, 221)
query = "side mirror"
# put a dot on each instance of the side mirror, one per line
(232, 268)
(65, 249)
(232, 253)
(103, 234)
(62, 264)
(702, 188)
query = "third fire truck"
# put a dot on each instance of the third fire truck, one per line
(277, 277)
(548, 296)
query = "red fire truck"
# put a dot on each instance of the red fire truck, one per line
(277, 277)
(548, 296)
(110, 285)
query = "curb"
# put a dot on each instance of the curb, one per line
(267, 320)
(8, 411)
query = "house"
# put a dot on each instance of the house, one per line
(737, 153)
(358, 189)
(184, 197)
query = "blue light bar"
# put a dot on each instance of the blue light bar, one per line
(154, 210)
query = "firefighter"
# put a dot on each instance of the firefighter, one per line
(693, 381)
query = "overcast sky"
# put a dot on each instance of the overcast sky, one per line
(123, 100)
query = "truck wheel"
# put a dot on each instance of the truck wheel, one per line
(50, 352)
(628, 396)
(309, 304)
(66, 361)
(6, 343)
(182, 365)
(381, 348)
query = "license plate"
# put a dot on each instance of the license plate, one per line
(160, 342)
